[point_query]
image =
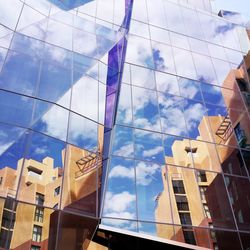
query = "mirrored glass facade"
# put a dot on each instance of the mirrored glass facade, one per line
(130, 115)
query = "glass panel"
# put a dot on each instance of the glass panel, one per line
(123, 142)
(163, 57)
(51, 120)
(120, 198)
(43, 167)
(172, 115)
(156, 13)
(190, 89)
(142, 77)
(13, 144)
(184, 63)
(231, 160)
(145, 109)
(167, 83)
(124, 112)
(18, 76)
(85, 97)
(83, 132)
(175, 151)
(15, 109)
(148, 146)
(159, 35)
(238, 190)
(139, 52)
(10, 13)
(149, 186)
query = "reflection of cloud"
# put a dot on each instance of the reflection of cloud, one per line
(41, 151)
(145, 172)
(4, 147)
(120, 205)
(126, 150)
(152, 152)
(122, 172)
(194, 114)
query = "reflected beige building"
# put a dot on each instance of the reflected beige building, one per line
(198, 197)
(27, 224)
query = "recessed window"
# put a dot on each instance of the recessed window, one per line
(178, 187)
(37, 233)
(201, 175)
(185, 218)
(182, 203)
(35, 247)
(39, 199)
(39, 214)
(189, 237)
(57, 191)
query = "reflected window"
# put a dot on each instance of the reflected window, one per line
(202, 192)
(185, 218)
(39, 213)
(57, 191)
(189, 237)
(37, 233)
(182, 203)
(35, 247)
(39, 199)
(201, 176)
(178, 187)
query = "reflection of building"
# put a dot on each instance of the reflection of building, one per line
(40, 184)
(203, 197)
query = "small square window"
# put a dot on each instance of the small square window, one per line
(57, 191)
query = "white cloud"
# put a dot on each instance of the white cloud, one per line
(41, 151)
(152, 152)
(123, 172)
(126, 150)
(145, 172)
(5, 146)
(118, 203)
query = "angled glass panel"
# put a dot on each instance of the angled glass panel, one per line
(159, 35)
(80, 185)
(163, 57)
(148, 146)
(50, 119)
(15, 109)
(222, 69)
(32, 23)
(176, 151)
(161, 230)
(156, 15)
(83, 132)
(20, 71)
(85, 97)
(142, 77)
(124, 112)
(179, 41)
(55, 35)
(195, 115)
(140, 11)
(123, 142)
(217, 51)
(120, 197)
(184, 63)
(145, 109)
(174, 17)
(238, 190)
(139, 29)
(231, 160)
(167, 83)
(55, 78)
(10, 13)
(5, 36)
(190, 89)
(149, 185)
(204, 67)
(101, 103)
(13, 144)
(43, 167)
(172, 115)
(139, 52)
(204, 155)
(122, 224)
(198, 46)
